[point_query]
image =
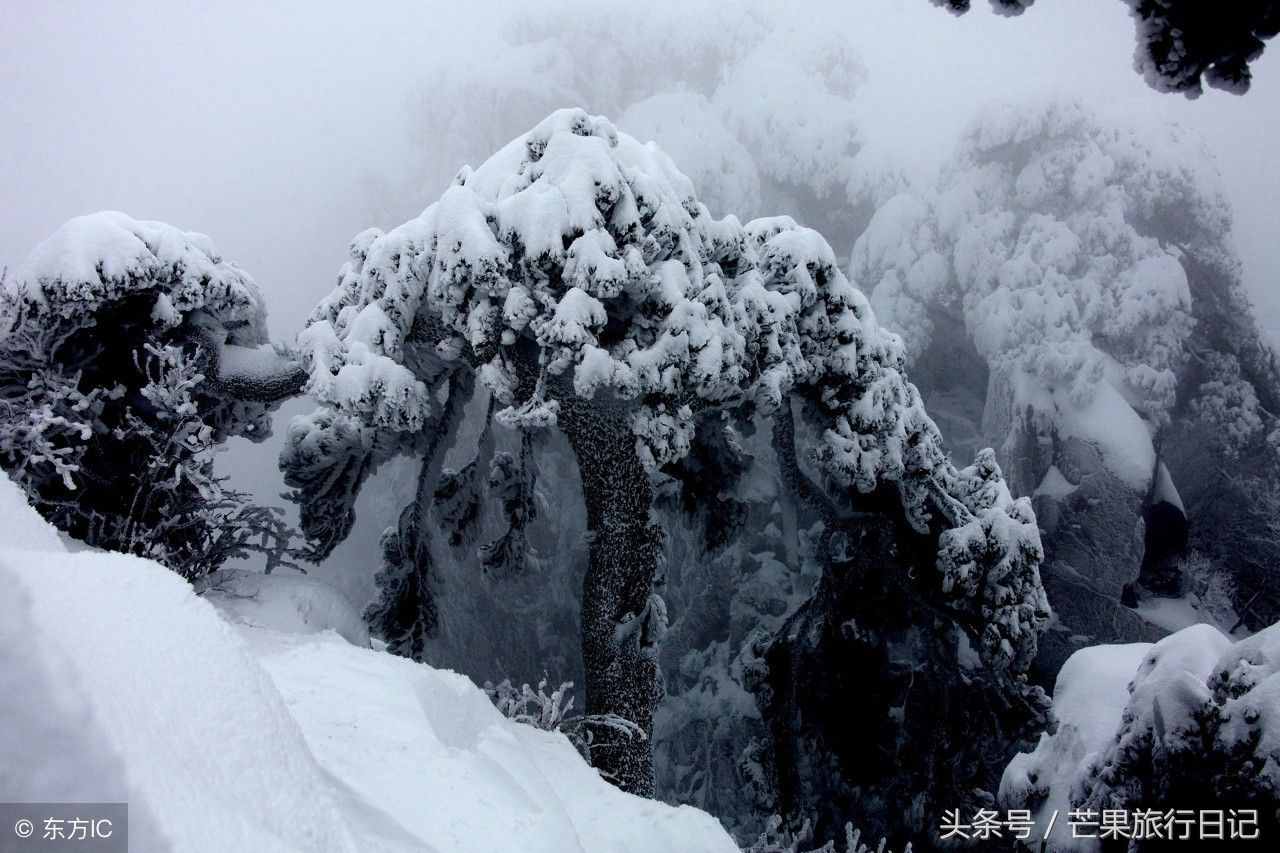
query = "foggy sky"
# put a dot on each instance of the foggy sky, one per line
(275, 128)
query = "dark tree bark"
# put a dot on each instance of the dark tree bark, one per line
(621, 621)
(405, 613)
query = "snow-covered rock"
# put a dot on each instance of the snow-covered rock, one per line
(1088, 700)
(1189, 720)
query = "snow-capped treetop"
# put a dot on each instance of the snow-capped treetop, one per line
(758, 106)
(105, 257)
(577, 261)
(1058, 238)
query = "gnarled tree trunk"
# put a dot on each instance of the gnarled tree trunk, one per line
(621, 618)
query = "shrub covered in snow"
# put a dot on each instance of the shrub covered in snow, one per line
(128, 351)
(578, 276)
(1195, 728)
(553, 712)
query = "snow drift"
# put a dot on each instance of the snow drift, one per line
(230, 737)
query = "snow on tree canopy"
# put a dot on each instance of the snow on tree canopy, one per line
(1058, 239)
(581, 245)
(128, 351)
(105, 257)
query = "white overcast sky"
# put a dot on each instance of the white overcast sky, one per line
(269, 125)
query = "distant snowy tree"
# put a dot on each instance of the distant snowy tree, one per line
(128, 350)
(1045, 245)
(1184, 43)
(1070, 293)
(576, 274)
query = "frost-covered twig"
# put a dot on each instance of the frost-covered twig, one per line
(777, 839)
(551, 712)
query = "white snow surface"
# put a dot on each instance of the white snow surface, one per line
(1089, 697)
(1054, 484)
(1109, 700)
(1166, 491)
(285, 601)
(260, 362)
(237, 737)
(23, 527)
(1171, 614)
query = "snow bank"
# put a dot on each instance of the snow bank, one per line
(52, 746)
(203, 732)
(248, 738)
(430, 750)
(295, 604)
(23, 527)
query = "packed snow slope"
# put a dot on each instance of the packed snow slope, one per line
(230, 736)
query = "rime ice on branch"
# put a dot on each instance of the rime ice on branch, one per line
(577, 275)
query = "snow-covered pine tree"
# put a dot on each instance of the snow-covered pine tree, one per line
(577, 275)
(128, 350)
